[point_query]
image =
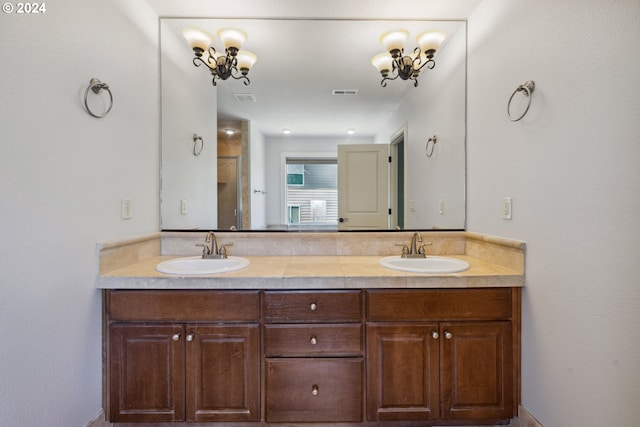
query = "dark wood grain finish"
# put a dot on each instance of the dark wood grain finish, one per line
(402, 372)
(313, 340)
(146, 373)
(440, 304)
(477, 370)
(313, 306)
(187, 306)
(290, 385)
(223, 373)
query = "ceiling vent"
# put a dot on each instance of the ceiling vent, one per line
(244, 97)
(344, 92)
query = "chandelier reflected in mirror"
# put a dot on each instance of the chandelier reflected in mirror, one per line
(233, 62)
(394, 63)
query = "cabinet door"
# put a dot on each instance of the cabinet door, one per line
(402, 371)
(147, 373)
(223, 373)
(477, 370)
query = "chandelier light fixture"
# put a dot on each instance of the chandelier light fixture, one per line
(394, 63)
(233, 62)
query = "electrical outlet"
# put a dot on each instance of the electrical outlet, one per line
(412, 205)
(127, 209)
(183, 207)
(441, 207)
(506, 208)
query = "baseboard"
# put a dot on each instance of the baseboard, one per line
(525, 419)
(99, 421)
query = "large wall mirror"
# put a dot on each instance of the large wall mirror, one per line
(227, 163)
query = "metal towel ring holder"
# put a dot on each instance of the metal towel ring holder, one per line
(196, 150)
(527, 88)
(97, 86)
(432, 140)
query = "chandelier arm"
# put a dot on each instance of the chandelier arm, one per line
(383, 82)
(197, 61)
(241, 77)
(430, 64)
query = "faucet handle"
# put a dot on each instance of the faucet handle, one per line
(204, 248)
(405, 248)
(223, 249)
(421, 250)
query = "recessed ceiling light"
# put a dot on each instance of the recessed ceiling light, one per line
(351, 131)
(286, 131)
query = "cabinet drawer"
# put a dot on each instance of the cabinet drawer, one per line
(189, 306)
(308, 306)
(449, 304)
(314, 390)
(313, 340)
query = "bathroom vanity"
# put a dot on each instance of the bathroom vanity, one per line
(331, 339)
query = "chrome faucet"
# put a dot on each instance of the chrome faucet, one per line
(413, 250)
(210, 248)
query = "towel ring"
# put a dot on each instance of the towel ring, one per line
(433, 140)
(196, 138)
(527, 88)
(97, 86)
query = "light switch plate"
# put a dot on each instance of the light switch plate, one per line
(127, 209)
(506, 208)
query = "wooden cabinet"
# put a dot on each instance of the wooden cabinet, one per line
(167, 370)
(377, 357)
(314, 365)
(146, 372)
(441, 354)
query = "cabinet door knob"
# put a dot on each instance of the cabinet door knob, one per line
(435, 335)
(313, 306)
(448, 335)
(314, 390)
(190, 337)
(175, 337)
(313, 340)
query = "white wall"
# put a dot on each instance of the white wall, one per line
(435, 107)
(189, 103)
(62, 175)
(572, 167)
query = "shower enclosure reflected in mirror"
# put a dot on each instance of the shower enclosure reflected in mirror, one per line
(315, 79)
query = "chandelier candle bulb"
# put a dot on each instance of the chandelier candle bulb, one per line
(393, 41)
(197, 39)
(430, 40)
(382, 62)
(232, 38)
(246, 60)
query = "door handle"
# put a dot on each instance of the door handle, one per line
(343, 219)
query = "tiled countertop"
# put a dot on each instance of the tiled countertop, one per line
(311, 272)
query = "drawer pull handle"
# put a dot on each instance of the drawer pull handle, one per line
(448, 335)
(314, 390)
(190, 337)
(313, 340)
(435, 335)
(313, 306)
(175, 337)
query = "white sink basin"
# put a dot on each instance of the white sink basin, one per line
(198, 265)
(430, 264)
